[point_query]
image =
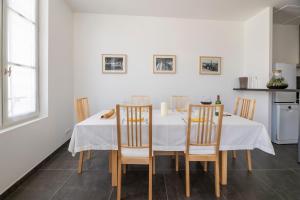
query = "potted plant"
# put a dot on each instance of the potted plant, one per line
(277, 81)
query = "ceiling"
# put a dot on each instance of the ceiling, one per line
(202, 9)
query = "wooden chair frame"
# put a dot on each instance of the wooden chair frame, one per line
(134, 135)
(204, 138)
(82, 112)
(140, 100)
(247, 111)
(174, 104)
(82, 108)
(180, 103)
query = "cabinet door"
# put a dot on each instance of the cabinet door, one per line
(288, 123)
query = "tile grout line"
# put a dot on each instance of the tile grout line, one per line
(73, 170)
(62, 185)
(294, 171)
(166, 186)
(110, 195)
(270, 188)
(267, 169)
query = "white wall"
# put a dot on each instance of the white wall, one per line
(23, 148)
(258, 59)
(286, 44)
(140, 38)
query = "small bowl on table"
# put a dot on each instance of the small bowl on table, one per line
(206, 102)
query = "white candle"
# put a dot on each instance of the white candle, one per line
(163, 109)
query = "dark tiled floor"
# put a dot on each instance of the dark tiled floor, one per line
(274, 177)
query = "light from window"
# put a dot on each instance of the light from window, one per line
(20, 60)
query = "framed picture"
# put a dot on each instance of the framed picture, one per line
(114, 63)
(164, 64)
(210, 65)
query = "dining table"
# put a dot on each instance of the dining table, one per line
(169, 134)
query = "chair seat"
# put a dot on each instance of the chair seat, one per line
(135, 152)
(202, 150)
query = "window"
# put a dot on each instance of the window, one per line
(20, 61)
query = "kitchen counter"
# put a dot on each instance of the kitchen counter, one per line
(267, 90)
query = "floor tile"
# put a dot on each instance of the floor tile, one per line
(284, 182)
(248, 186)
(135, 186)
(41, 185)
(88, 185)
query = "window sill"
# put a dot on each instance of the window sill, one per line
(11, 128)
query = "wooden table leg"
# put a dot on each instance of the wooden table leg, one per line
(114, 168)
(205, 166)
(224, 168)
(249, 160)
(124, 169)
(153, 163)
(89, 154)
(176, 161)
(80, 162)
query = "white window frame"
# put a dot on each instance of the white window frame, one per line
(10, 121)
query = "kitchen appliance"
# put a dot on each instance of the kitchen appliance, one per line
(285, 109)
(285, 124)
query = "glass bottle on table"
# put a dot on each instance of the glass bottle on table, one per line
(218, 102)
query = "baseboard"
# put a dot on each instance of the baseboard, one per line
(12, 188)
(285, 141)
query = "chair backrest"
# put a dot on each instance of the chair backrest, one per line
(134, 123)
(180, 103)
(247, 109)
(236, 105)
(82, 109)
(203, 128)
(140, 100)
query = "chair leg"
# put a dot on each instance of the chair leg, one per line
(124, 169)
(176, 161)
(234, 154)
(249, 160)
(224, 165)
(217, 178)
(119, 180)
(80, 162)
(89, 154)
(114, 168)
(205, 166)
(150, 179)
(187, 176)
(153, 163)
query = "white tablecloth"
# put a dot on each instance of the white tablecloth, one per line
(169, 134)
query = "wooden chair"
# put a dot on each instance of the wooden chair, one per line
(140, 100)
(82, 112)
(247, 111)
(179, 104)
(203, 140)
(134, 145)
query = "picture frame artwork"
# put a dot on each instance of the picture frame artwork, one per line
(210, 65)
(164, 64)
(114, 63)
